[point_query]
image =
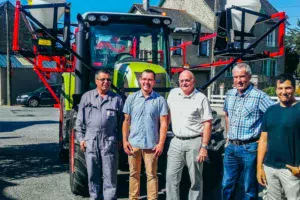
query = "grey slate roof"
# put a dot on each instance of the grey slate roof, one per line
(180, 18)
(265, 4)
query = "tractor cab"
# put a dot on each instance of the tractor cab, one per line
(124, 44)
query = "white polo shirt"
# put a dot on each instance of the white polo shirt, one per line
(188, 112)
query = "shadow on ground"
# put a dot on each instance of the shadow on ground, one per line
(3, 185)
(10, 126)
(26, 161)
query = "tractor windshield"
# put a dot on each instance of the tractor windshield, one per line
(116, 43)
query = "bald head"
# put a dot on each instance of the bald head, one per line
(187, 82)
(187, 73)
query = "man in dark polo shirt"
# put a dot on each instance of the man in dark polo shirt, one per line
(278, 159)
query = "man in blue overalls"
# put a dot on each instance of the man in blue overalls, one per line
(100, 113)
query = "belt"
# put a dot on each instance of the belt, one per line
(189, 138)
(242, 142)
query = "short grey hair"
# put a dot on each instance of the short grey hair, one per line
(243, 65)
(101, 71)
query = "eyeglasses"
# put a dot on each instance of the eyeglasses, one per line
(185, 80)
(104, 79)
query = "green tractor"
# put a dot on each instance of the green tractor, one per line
(126, 45)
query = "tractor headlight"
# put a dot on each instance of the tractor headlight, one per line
(156, 21)
(91, 18)
(103, 18)
(167, 22)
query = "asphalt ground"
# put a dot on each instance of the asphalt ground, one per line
(29, 164)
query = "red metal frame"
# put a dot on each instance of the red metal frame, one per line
(15, 46)
(37, 62)
(221, 62)
(61, 61)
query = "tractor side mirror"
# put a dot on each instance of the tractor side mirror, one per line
(196, 30)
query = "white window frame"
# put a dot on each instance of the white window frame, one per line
(271, 38)
(200, 47)
(173, 52)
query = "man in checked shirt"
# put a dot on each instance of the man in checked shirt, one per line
(244, 108)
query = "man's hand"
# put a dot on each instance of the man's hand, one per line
(83, 145)
(227, 142)
(158, 149)
(295, 170)
(127, 148)
(202, 155)
(261, 176)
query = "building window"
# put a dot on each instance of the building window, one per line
(271, 39)
(203, 49)
(270, 67)
(178, 51)
(228, 72)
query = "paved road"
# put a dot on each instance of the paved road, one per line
(29, 167)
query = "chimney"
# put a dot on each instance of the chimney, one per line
(146, 5)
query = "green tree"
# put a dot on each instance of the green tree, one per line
(292, 50)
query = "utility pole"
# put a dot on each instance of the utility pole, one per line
(213, 41)
(8, 65)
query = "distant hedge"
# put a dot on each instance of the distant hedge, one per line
(271, 91)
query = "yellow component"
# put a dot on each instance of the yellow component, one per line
(30, 2)
(44, 42)
(126, 74)
(68, 89)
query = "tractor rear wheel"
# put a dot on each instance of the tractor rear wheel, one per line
(78, 171)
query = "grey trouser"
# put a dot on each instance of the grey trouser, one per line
(282, 184)
(181, 153)
(102, 161)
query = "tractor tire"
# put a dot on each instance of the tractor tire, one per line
(63, 151)
(78, 171)
(33, 102)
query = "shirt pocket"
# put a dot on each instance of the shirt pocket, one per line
(248, 110)
(112, 116)
(89, 109)
(110, 146)
(91, 144)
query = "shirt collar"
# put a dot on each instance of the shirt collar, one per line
(188, 96)
(250, 87)
(96, 94)
(152, 94)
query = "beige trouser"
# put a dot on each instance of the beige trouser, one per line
(282, 184)
(135, 162)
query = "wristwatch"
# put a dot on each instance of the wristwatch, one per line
(204, 146)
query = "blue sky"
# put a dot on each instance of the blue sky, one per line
(291, 7)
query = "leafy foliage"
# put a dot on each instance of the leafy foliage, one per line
(292, 50)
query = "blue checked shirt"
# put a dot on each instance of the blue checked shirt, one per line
(245, 112)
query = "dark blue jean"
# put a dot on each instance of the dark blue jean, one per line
(240, 160)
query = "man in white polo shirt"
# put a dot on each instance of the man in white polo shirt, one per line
(191, 122)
